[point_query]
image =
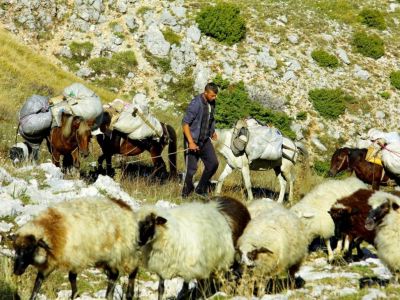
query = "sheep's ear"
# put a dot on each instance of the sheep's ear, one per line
(395, 206)
(43, 244)
(264, 250)
(160, 220)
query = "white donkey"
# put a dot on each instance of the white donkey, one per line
(284, 168)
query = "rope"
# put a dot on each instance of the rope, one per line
(144, 119)
(144, 159)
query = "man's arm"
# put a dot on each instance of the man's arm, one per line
(186, 131)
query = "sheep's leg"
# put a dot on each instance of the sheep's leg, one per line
(161, 288)
(224, 174)
(112, 281)
(282, 184)
(72, 279)
(183, 293)
(329, 249)
(247, 182)
(130, 291)
(346, 244)
(339, 246)
(38, 283)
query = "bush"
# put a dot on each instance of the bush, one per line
(222, 22)
(369, 45)
(324, 59)
(301, 116)
(123, 62)
(384, 94)
(233, 103)
(373, 18)
(113, 84)
(395, 79)
(180, 91)
(81, 51)
(329, 103)
(100, 65)
(171, 37)
(322, 168)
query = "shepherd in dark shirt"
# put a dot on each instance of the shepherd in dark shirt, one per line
(198, 128)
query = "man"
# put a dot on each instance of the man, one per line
(198, 127)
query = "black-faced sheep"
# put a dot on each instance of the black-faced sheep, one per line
(192, 240)
(385, 219)
(314, 208)
(78, 234)
(274, 240)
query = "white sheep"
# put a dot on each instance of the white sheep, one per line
(192, 240)
(273, 241)
(314, 208)
(78, 234)
(385, 219)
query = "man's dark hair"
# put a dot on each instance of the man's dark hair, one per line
(211, 86)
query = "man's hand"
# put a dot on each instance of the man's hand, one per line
(193, 147)
(214, 136)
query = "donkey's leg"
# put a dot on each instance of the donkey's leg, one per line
(282, 189)
(224, 174)
(247, 182)
(75, 158)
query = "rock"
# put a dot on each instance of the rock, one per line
(265, 60)
(193, 33)
(5, 227)
(167, 19)
(360, 73)
(289, 75)
(228, 70)
(122, 6)
(293, 38)
(131, 22)
(294, 65)
(201, 77)
(282, 19)
(167, 78)
(155, 42)
(84, 72)
(327, 37)
(65, 51)
(380, 115)
(179, 11)
(343, 56)
(130, 75)
(116, 40)
(298, 130)
(274, 39)
(318, 144)
(393, 7)
(182, 57)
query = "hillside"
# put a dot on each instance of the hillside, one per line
(163, 53)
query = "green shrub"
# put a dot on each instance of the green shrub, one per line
(384, 94)
(123, 62)
(368, 45)
(322, 168)
(222, 83)
(113, 84)
(234, 103)
(324, 59)
(395, 79)
(81, 51)
(161, 63)
(301, 116)
(171, 37)
(180, 91)
(222, 22)
(373, 18)
(329, 103)
(100, 65)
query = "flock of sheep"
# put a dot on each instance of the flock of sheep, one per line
(199, 240)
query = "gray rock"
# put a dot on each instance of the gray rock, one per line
(167, 78)
(343, 56)
(179, 11)
(167, 18)
(182, 57)
(193, 33)
(131, 22)
(5, 227)
(155, 42)
(201, 77)
(265, 60)
(65, 52)
(282, 19)
(274, 39)
(289, 75)
(380, 115)
(318, 144)
(393, 7)
(293, 38)
(360, 73)
(327, 37)
(131, 75)
(298, 130)
(118, 28)
(294, 65)
(116, 40)
(228, 70)
(122, 6)
(84, 72)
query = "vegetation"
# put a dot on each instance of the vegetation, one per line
(368, 45)
(80, 51)
(395, 79)
(123, 62)
(301, 116)
(100, 65)
(324, 59)
(171, 37)
(373, 18)
(330, 103)
(385, 94)
(161, 63)
(234, 103)
(110, 83)
(222, 22)
(180, 91)
(322, 168)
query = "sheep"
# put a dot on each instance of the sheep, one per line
(273, 241)
(385, 219)
(349, 215)
(192, 240)
(78, 234)
(314, 207)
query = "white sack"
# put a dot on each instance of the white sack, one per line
(391, 157)
(35, 117)
(389, 137)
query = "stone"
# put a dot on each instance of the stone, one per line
(228, 70)
(380, 115)
(298, 130)
(131, 22)
(318, 144)
(179, 11)
(282, 19)
(122, 6)
(182, 57)
(155, 42)
(193, 33)
(65, 51)
(360, 73)
(84, 72)
(167, 78)
(5, 227)
(167, 19)
(274, 39)
(343, 56)
(294, 65)
(265, 60)
(289, 75)
(293, 38)
(201, 77)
